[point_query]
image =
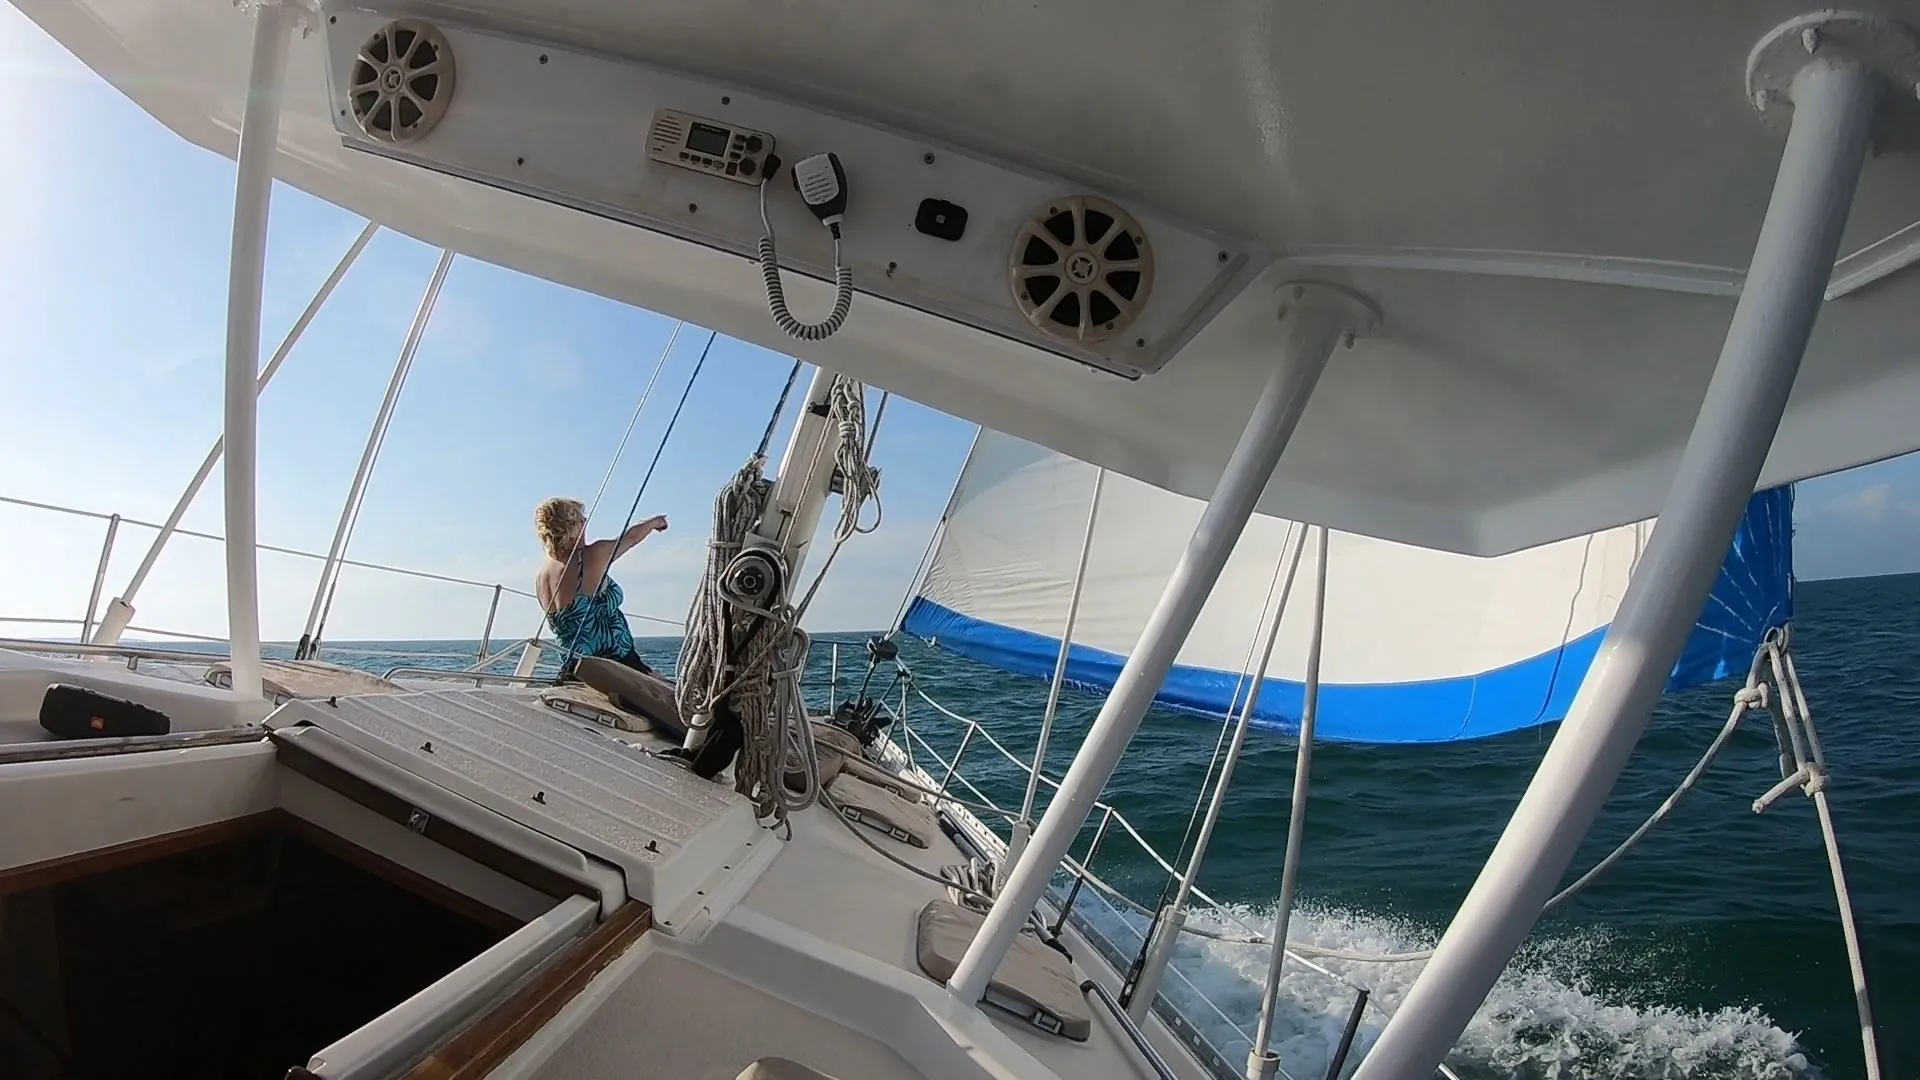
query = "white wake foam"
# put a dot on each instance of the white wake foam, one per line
(1542, 1020)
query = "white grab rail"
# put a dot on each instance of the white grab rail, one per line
(117, 523)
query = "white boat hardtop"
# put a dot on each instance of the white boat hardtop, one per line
(1551, 206)
(1512, 276)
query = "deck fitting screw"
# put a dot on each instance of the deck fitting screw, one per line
(543, 58)
(333, 702)
(427, 747)
(1347, 339)
(540, 797)
(653, 846)
(693, 208)
(1810, 39)
(1222, 256)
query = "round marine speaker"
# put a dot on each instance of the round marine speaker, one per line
(1081, 269)
(401, 81)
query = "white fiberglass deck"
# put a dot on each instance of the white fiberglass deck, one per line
(665, 829)
(1553, 205)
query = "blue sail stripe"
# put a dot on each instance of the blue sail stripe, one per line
(1753, 594)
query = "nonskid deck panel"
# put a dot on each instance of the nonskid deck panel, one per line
(665, 829)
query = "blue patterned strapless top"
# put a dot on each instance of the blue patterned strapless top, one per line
(594, 625)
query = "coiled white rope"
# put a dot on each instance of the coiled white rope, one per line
(709, 671)
(859, 480)
(752, 657)
(1800, 746)
(777, 293)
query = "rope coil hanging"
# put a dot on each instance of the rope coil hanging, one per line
(744, 651)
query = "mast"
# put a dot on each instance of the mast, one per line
(805, 479)
(1826, 68)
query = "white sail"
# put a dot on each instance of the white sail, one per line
(1420, 645)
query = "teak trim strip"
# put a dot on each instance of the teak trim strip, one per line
(482, 1045)
(82, 864)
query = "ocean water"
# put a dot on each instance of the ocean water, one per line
(1713, 951)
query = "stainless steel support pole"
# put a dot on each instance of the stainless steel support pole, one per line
(1310, 335)
(246, 273)
(99, 577)
(370, 454)
(1022, 829)
(1140, 998)
(120, 610)
(1819, 170)
(1296, 823)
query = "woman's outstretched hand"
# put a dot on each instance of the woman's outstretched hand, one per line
(657, 523)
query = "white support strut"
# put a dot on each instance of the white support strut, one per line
(246, 274)
(1833, 104)
(1309, 334)
(1023, 828)
(120, 608)
(370, 455)
(1167, 934)
(1262, 1062)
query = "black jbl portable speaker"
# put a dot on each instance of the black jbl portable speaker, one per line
(74, 712)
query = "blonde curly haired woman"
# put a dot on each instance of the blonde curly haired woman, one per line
(581, 599)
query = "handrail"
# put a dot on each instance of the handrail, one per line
(132, 654)
(1134, 1035)
(115, 521)
(276, 549)
(1079, 869)
(1026, 767)
(456, 675)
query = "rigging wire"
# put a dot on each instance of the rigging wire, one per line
(933, 540)
(638, 408)
(647, 478)
(309, 645)
(646, 394)
(780, 406)
(1247, 680)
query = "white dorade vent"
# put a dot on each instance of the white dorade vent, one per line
(401, 82)
(1081, 269)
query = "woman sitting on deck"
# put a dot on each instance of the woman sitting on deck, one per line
(581, 599)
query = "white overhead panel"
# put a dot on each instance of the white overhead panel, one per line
(1552, 206)
(1035, 258)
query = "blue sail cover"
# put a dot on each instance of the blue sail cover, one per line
(1420, 646)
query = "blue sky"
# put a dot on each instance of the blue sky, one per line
(113, 294)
